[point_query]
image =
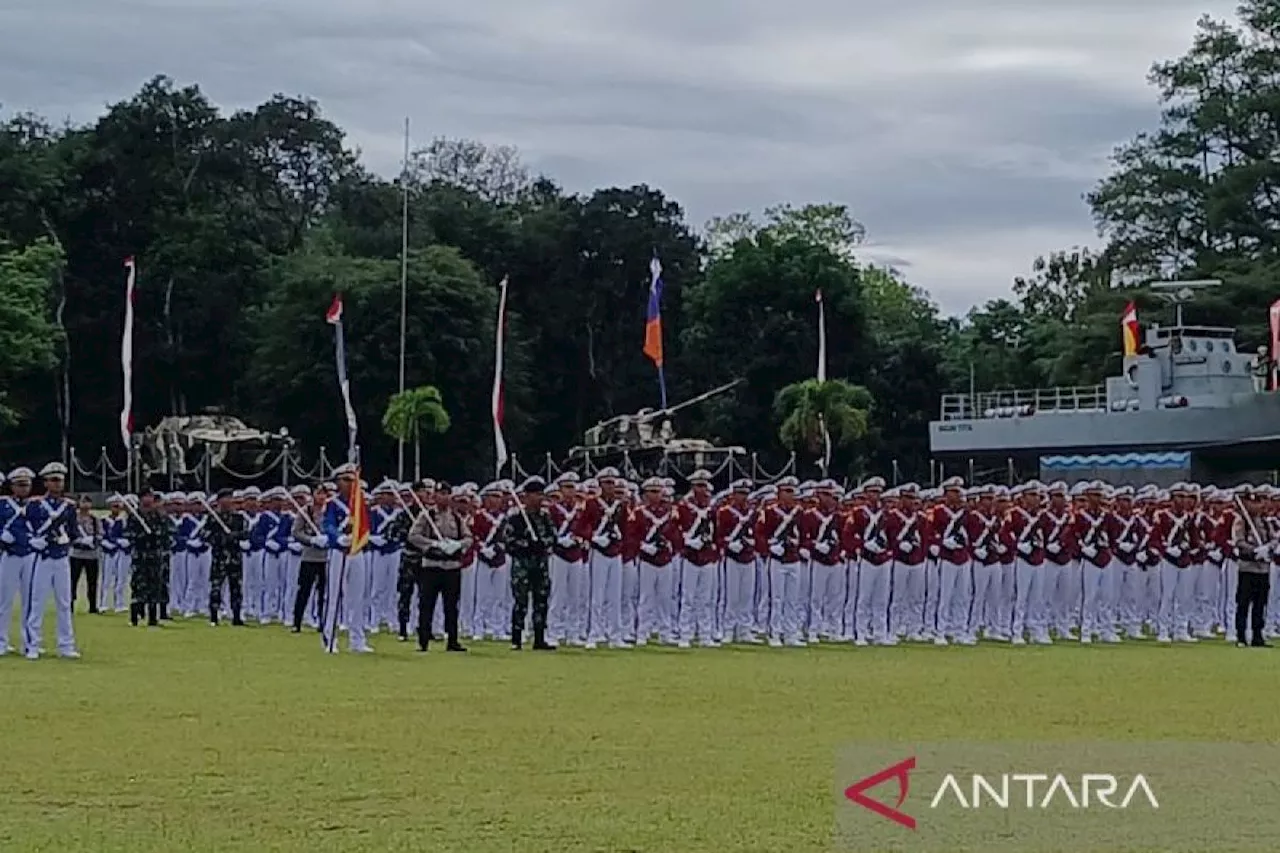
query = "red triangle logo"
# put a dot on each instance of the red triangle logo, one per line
(857, 792)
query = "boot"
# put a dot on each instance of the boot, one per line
(540, 643)
(517, 641)
(404, 632)
(164, 613)
(235, 617)
(135, 613)
(454, 645)
(213, 616)
(152, 614)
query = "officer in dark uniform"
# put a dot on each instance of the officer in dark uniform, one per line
(150, 530)
(529, 534)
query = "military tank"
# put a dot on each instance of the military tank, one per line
(182, 445)
(646, 442)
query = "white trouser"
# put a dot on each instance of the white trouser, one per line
(849, 579)
(630, 599)
(907, 604)
(267, 598)
(988, 600)
(763, 599)
(953, 601)
(826, 599)
(347, 585)
(1208, 580)
(787, 601)
(655, 613)
(115, 578)
(1133, 586)
(48, 576)
(177, 581)
(577, 600)
(15, 581)
(875, 586)
(196, 598)
(558, 601)
(1273, 600)
(1227, 598)
(739, 595)
(1030, 587)
(604, 594)
(697, 600)
(292, 568)
(384, 573)
(1099, 593)
(252, 583)
(493, 585)
(1177, 597)
(1062, 604)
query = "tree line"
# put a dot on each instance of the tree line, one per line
(245, 225)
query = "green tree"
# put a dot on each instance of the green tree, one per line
(31, 340)
(412, 413)
(803, 409)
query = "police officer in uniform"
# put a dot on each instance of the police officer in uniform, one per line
(529, 535)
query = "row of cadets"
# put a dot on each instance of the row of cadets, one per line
(35, 543)
(117, 558)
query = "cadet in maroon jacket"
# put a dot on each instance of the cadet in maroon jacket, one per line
(699, 563)
(820, 536)
(1100, 581)
(908, 529)
(1028, 527)
(949, 616)
(983, 530)
(778, 541)
(735, 537)
(1177, 540)
(655, 533)
(867, 535)
(1062, 584)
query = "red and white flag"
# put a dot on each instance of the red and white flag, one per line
(126, 352)
(1273, 376)
(500, 443)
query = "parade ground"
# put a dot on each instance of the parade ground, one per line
(193, 738)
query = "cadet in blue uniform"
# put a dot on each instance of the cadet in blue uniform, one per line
(16, 556)
(53, 522)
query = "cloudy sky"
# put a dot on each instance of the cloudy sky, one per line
(963, 134)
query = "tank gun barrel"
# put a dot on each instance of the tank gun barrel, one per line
(662, 413)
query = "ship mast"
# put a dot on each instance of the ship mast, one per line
(1182, 292)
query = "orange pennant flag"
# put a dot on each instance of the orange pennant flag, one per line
(360, 524)
(1130, 331)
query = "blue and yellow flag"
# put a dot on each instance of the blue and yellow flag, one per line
(653, 324)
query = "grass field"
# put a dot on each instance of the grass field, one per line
(191, 738)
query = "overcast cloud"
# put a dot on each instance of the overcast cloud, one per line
(963, 134)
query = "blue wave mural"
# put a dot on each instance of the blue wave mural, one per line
(1172, 459)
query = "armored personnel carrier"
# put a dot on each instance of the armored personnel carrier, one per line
(183, 445)
(646, 442)
(1188, 404)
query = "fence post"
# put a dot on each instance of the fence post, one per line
(970, 480)
(1011, 476)
(102, 463)
(895, 473)
(71, 470)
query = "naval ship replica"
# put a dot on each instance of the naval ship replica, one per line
(1187, 405)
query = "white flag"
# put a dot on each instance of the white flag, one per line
(500, 443)
(126, 353)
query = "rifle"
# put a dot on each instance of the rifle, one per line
(785, 528)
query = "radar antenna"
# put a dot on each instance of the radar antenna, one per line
(1179, 293)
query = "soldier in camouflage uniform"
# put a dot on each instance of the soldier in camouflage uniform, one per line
(410, 559)
(150, 557)
(228, 566)
(528, 537)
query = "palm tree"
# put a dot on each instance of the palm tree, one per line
(804, 407)
(413, 413)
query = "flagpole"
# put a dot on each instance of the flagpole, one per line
(825, 463)
(404, 279)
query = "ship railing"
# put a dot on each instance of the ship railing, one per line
(1024, 402)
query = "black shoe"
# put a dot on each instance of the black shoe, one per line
(296, 629)
(455, 647)
(237, 622)
(135, 613)
(1260, 643)
(404, 637)
(93, 611)
(517, 640)
(422, 647)
(164, 613)
(1241, 644)
(540, 643)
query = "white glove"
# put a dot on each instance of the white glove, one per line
(295, 547)
(1127, 547)
(804, 554)
(693, 542)
(1263, 553)
(1024, 548)
(244, 545)
(1089, 551)
(1215, 555)
(194, 544)
(273, 546)
(1053, 548)
(1002, 549)
(822, 548)
(488, 552)
(873, 547)
(934, 550)
(84, 542)
(951, 543)
(108, 545)
(600, 541)
(39, 543)
(453, 547)
(62, 538)
(565, 541)
(7, 537)
(377, 540)
(735, 547)
(344, 541)
(777, 550)
(1174, 551)
(905, 547)
(648, 549)
(319, 541)
(123, 542)
(981, 552)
